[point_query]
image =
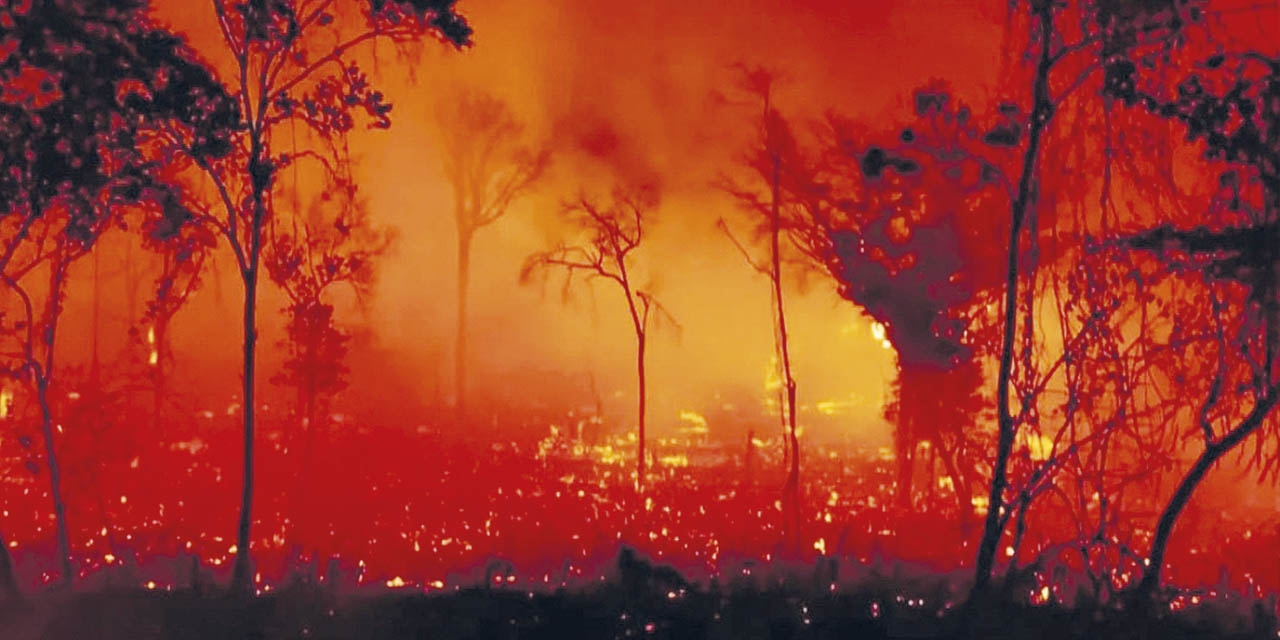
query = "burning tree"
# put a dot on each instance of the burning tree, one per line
(612, 233)
(888, 224)
(83, 81)
(488, 167)
(293, 70)
(889, 221)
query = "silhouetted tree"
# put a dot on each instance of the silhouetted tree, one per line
(776, 146)
(333, 245)
(83, 80)
(488, 167)
(293, 71)
(183, 254)
(1065, 39)
(612, 233)
(1231, 107)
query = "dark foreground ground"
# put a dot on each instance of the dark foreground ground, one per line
(639, 601)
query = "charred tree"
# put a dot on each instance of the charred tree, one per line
(776, 147)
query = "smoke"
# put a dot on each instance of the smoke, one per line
(623, 94)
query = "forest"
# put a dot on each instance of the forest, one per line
(425, 318)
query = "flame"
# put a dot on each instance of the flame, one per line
(154, 358)
(772, 378)
(880, 333)
(980, 504)
(697, 421)
(6, 401)
(1038, 446)
(678, 460)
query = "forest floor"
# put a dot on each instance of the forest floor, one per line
(641, 600)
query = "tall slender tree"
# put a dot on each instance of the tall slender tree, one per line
(774, 148)
(488, 166)
(294, 72)
(613, 233)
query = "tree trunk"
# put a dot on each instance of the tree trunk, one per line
(94, 362)
(9, 591)
(960, 486)
(43, 378)
(1040, 114)
(1212, 453)
(160, 382)
(460, 340)
(905, 445)
(792, 489)
(55, 480)
(640, 460)
(240, 575)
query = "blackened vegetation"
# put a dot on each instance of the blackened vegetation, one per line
(637, 600)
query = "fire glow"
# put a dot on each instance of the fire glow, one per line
(585, 296)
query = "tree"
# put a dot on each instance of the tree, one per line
(83, 79)
(183, 253)
(488, 167)
(776, 146)
(1068, 39)
(293, 69)
(334, 245)
(889, 223)
(612, 233)
(1233, 108)
(873, 225)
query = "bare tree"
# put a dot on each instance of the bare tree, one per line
(612, 233)
(775, 148)
(488, 167)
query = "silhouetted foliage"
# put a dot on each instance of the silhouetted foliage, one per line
(1232, 109)
(295, 69)
(84, 81)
